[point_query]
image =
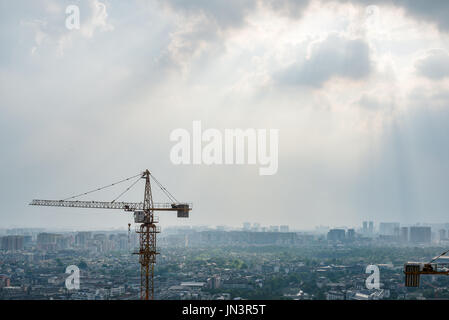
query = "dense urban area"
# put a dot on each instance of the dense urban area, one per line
(222, 263)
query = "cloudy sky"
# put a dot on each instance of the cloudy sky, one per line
(359, 91)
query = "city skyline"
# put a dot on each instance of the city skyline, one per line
(251, 262)
(248, 226)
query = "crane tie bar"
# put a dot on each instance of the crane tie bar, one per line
(127, 189)
(98, 189)
(164, 190)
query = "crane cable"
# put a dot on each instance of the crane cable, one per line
(127, 189)
(439, 256)
(98, 189)
(164, 190)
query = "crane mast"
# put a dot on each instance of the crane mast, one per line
(143, 215)
(148, 251)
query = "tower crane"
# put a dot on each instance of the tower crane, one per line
(143, 215)
(414, 270)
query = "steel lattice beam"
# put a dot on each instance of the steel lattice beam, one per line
(128, 206)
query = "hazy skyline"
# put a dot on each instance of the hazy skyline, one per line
(359, 91)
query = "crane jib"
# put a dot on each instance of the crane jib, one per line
(127, 206)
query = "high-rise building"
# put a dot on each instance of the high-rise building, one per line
(101, 243)
(371, 228)
(336, 235)
(47, 241)
(442, 234)
(420, 234)
(63, 242)
(27, 241)
(214, 282)
(404, 234)
(246, 226)
(350, 234)
(283, 228)
(397, 232)
(12, 243)
(365, 227)
(388, 228)
(82, 238)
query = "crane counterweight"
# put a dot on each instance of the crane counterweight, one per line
(414, 270)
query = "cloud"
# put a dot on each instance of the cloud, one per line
(335, 56)
(202, 26)
(205, 26)
(435, 65)
(292, 9)
(233, 13)
(97, 19)
(48, 23)
(225, 13)
(434, 11)
(375, 102)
